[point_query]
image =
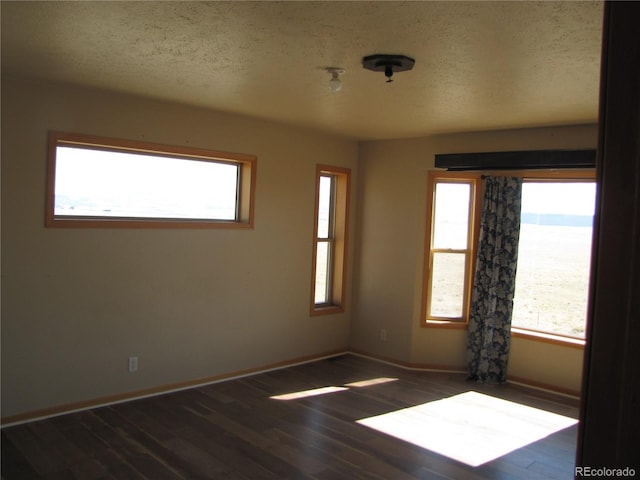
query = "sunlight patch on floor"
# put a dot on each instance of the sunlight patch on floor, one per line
(322, 390)
(308, 393)
(471, 427)
(373, 381)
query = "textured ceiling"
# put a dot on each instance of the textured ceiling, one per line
(479, 65)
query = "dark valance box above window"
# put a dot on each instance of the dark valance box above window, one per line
(517, 160)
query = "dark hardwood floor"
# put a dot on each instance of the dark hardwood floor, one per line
(234, 430)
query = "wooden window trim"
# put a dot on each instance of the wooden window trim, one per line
(554, 176)
(247, 183)
(473, 179)
(527, 175)
(546, 337)
(340, 240)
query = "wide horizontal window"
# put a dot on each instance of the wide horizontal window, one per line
(105, 182)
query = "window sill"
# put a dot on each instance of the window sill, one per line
(444, 324)
(117, 222)
(549, 338)
(328, 310)
(516, 332)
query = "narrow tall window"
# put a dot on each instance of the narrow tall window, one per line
(330, 239)
(118, 183)
(450, 247)
(325, 239)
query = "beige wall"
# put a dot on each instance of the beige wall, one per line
(389, 259)
(76, 303)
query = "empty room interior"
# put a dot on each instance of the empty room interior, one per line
(311, 306)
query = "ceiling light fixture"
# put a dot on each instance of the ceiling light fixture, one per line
(335, 84)
(389, 64)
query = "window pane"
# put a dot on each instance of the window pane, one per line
(447, 285)
(97, 183)
(324, 206)
(322, 273)
(451, 216)
(554, 257)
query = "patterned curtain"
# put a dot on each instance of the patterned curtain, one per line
(494, 281)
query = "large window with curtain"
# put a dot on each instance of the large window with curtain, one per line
(553, 251)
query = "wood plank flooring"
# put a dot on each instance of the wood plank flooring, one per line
(234, 430)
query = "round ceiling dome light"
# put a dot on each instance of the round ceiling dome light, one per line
(389, 64)
(335, 85)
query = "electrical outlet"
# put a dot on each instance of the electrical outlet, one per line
(133, 364)
(383, 335)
